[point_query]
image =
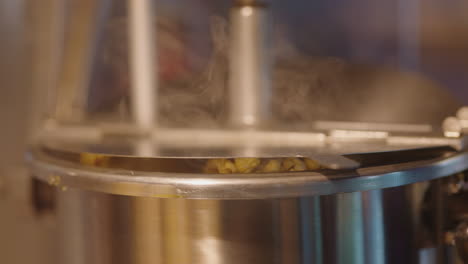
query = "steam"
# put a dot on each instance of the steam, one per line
(201, 102)
(305, 88)
(298, 82)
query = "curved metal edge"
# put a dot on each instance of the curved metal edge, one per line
(255, 186)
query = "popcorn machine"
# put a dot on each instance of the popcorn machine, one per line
(221, 139)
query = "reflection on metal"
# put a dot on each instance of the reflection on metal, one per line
(177, 247)
(71, 213)
(250, 66)
(79, 50)
(452, 127)
(311, 235)
(462, 115)
(362, 126)
(349, 135)
(147, 230)
(350, 229)
(427, 256)
(47, 33)
(213, 138)
(176, 230)
(143, 68)
(244, 186)
(374, 223)
(340, 228)
(207, 224)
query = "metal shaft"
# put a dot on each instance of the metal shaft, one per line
(250, 65)
(142, 67)
(85, 23)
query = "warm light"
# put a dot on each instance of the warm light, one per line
(246, 11)
(249, 120)
(452, 134)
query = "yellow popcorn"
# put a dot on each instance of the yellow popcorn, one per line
(246, 165)
(311, 164)
(249, 165)
(273, 165)
(92, 159)
(225, 166)
(293, 164)
(211, 166)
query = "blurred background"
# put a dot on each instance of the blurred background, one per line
(41, 41)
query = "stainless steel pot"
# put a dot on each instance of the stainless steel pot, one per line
(369, 215)
(359, 227)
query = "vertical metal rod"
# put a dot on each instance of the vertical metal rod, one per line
(311, 226)
(77, 59)
(143, 69)
(374, 227)
(46, 49)
(250, 65)
(70, 208)
(205, 222)
(350, 229)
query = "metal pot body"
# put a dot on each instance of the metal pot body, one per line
(374, 227)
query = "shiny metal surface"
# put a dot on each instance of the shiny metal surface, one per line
(327, 146)
(373, 219)
(203, 144)
(242, 186)
(250, 64)
(143, 49)
(102, 228)
(75, 46)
